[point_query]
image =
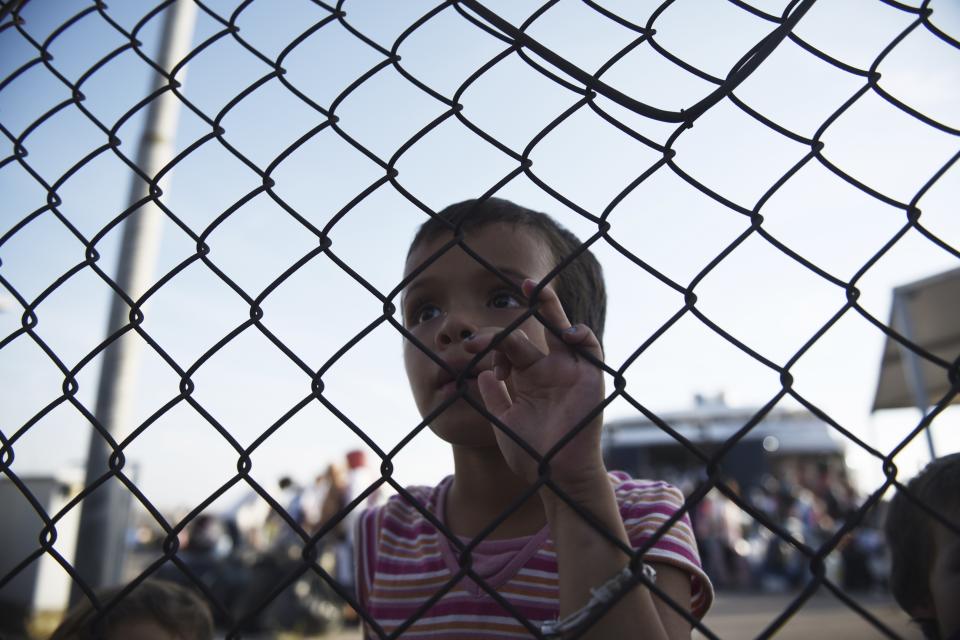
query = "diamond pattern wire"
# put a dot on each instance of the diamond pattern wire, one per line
(590, 91)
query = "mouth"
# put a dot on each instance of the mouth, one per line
(447, 384)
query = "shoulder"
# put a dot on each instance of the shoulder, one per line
(649, 509)
(646, 505)
(398, 521)
(402, 512)
(645, 495)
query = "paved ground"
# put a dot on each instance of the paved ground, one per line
(823, 617)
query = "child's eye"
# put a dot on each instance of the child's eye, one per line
(505, 300)
(426, 313)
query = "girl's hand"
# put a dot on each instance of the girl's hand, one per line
(542, 396)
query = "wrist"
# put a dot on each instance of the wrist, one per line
(589, 489)
(570, 527)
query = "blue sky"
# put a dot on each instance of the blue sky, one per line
(757, 294)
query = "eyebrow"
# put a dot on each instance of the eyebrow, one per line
(513, 275)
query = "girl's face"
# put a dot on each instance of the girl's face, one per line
(453, 298)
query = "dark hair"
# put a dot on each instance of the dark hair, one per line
(579, 285)
(909, 531)
(175, 609)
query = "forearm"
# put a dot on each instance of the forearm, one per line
(587, 559)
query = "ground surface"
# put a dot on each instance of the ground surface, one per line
(823, 617)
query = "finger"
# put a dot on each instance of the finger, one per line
(550, 310)
(501, 366)
(494, 393)
(582, 337)
(516, 346)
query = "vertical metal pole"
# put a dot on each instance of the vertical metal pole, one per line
(911, 365)
(105, 512)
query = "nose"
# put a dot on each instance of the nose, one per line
(454, 328)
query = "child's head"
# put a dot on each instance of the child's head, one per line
(925, 554)
(455, 296)
(579, 285)
(154, 610)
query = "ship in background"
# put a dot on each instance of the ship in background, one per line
(787, 443)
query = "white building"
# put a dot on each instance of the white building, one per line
(42, 587)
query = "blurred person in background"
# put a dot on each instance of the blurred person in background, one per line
(254, 524)
(335, 497)
(277, 532)
(358, 479)
(719, 528)
(312, 503)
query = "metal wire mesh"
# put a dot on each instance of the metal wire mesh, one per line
(589, 90)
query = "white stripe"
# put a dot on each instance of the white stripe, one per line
(520, 582)
(432, 586)
(410, 561)
(662, 554)
(420, 539)
(546, 601)
(409, 576)
(422, 548)
(550, 575)
(647, 504)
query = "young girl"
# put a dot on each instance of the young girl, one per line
(476, 352)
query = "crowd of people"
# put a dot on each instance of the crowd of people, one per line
(240, 553)
(740, 551)
(258, 526)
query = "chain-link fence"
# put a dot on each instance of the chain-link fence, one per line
(810, 142)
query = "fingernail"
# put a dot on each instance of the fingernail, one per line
(572, 329)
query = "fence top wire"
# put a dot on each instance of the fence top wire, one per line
(754, 181)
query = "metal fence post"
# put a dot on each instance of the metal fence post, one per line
(105, 512)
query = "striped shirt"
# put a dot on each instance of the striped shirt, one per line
(404, 562)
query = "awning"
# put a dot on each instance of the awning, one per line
(927, 313)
